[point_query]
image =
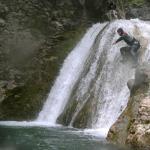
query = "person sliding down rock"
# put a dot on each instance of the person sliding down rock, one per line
(131, 49)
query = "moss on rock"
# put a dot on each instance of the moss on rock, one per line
(39, 37)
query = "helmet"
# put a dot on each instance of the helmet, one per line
(120, 31)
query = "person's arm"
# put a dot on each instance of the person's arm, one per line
(120, 39)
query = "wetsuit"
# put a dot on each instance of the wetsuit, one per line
(133, 47)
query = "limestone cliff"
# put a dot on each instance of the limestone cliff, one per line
(133, 126)
(36, 36)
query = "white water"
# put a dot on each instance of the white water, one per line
(110, 88)
(28, 124)
(68, 76)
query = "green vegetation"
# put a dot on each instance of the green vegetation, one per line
(130, 2)
(136, 2)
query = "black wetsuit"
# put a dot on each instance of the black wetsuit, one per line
(133, 47)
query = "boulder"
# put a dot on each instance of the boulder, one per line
(2, 22)
(133, 125)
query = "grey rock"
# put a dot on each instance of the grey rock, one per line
(11, 85)
(132, 127)
(142, 12)
(130, 84)
(2, 22)
(3, 9)
(2, 94)
(3, 84)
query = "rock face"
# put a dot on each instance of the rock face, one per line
(139, 132)
(139, 11)
(133, 126)
(36, 36)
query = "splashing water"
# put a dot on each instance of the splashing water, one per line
(94, 67)
(110, 82)
(68, 76)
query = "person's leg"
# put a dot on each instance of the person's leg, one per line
(133, 51)
(125, 53)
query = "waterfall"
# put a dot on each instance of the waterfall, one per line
(104, 81)
(94, 77)
(68, 76)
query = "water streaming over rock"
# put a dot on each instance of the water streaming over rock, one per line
(93, 73)
(91, 89)
(69, 74)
